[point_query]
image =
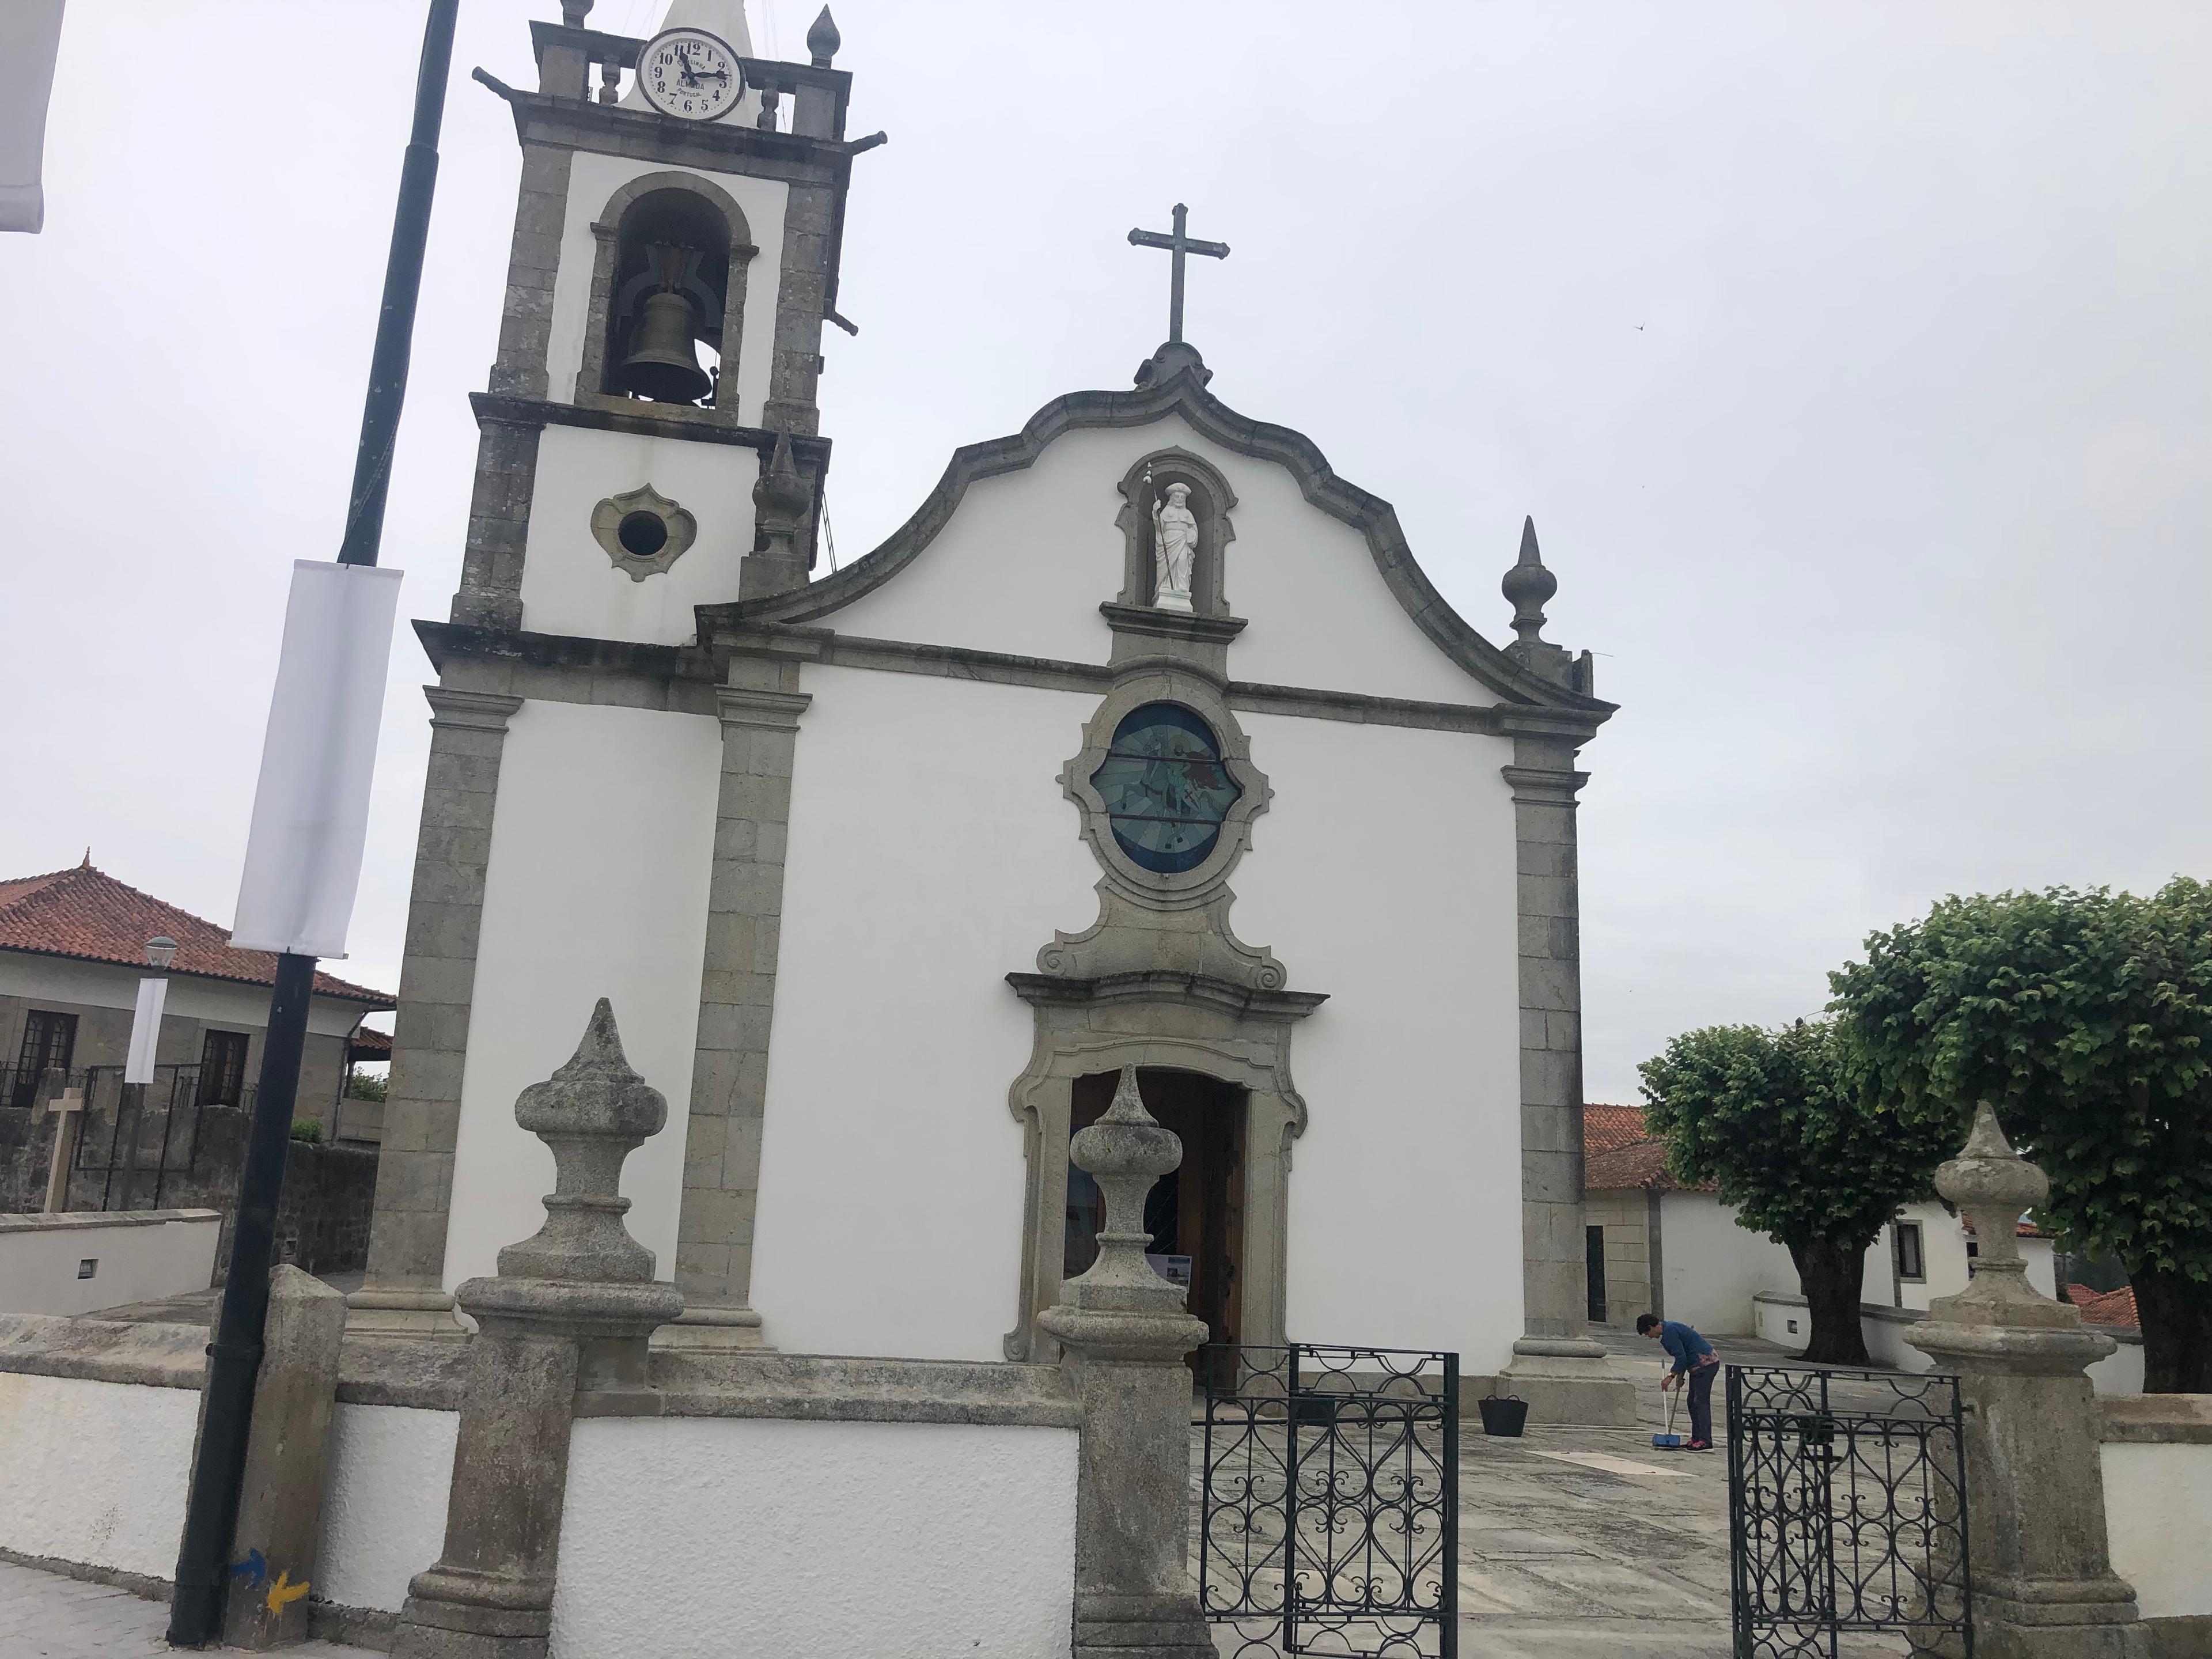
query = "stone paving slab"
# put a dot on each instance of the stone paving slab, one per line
(44, 1615)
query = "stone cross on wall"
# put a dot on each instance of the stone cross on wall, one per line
(1177, 244)
(67, 1111)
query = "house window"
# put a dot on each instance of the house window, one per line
(223, 1068)
(49, 1040)
(1912, 1265)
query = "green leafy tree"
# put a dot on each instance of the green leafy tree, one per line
(1771, 1118)
(2085, 1019)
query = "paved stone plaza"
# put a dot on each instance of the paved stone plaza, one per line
(44, 1615)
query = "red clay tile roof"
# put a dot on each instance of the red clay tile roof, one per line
(1606, 1128)
(370, 1044)
(86, 914)
(2114, 1308)
(1618, 1152)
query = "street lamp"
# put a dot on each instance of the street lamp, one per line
(161, 950)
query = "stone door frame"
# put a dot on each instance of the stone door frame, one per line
(1173, 1022)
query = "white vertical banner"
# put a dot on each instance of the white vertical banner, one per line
(311, 806)
(145, 1031)
(30, 36)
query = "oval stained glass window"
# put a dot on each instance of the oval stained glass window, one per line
(1166, 789)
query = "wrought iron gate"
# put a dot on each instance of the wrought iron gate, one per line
(1328, 1500)
(1846, 1511)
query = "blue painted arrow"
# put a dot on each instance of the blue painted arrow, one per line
(252, 1569)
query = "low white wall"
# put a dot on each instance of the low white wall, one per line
(1713, 1267)
(94, 1472)
(388, 1471)
(2158, 1515)
(140, 1257)
(689, 1537)
(2119, 1373)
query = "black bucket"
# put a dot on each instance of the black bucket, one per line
(1503, 1414)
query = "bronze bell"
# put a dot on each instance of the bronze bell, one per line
(662, 364)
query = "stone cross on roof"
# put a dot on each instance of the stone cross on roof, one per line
(1177, 244)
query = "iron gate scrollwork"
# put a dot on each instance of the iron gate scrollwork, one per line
(1846, 1511)
(1328, 1500)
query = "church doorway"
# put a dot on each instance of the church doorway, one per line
(1196, 1212)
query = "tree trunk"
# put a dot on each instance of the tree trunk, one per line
(2176, 1311)
(1829, 1273)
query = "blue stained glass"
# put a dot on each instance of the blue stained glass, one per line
(1166, 789)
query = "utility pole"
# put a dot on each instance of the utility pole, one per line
(235, 1355)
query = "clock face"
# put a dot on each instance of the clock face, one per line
(1166, 789)
(690, 74)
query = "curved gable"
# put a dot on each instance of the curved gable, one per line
(1175, 388)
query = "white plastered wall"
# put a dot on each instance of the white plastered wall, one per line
(891, 1168)
(927, 1540)
(2158, 1515)
(592, 180)
(570, 585)
(386, 1479)
(1028, 557)
(95, 1471)
(1713, 1267)
(1405, 1192)
(602, 845)
(41, 1262)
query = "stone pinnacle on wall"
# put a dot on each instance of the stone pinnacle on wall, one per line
(1528, 585)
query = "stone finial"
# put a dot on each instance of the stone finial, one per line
(1126, 1151)
(574, 12)
(780, 497)
(823, 39)
(1994, 1187)
(592, 1112)
(1528, 585)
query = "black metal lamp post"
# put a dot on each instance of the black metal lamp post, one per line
(234, 1355)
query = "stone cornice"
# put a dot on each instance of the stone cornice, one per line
(1172, 624)
(1182, 393)
(1538, 787)
(475, 711)
(672, 420)
(775, 711)
(715, 146)
(1159, 985)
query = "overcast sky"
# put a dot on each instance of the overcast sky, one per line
(1854, 360)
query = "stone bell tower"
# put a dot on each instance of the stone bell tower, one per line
(664, 302)
(648, 446)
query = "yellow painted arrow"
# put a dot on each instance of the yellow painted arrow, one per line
(284, 1590)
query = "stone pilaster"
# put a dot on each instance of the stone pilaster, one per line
(404, 1292)
(570, 1307)
(1557, 1367)
(737, 998)
(2044, 1586)
(1124, 1333)
(802, 294)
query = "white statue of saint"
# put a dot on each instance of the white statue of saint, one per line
(1175, 549)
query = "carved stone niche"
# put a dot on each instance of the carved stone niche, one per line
(1211, 500)
(1160, 981)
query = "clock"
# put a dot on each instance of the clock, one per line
(1165, 788)
(690, 74)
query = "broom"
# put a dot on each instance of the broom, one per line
(1668, 1441)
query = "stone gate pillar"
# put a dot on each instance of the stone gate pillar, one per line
(1126, 1334)
(2043, 1582)
(571, 1307)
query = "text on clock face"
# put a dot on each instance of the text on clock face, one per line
(691, 76)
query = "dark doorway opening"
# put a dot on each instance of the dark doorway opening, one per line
(1594, 1254)
(1196, 1212)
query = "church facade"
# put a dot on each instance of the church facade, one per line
(1145, 741)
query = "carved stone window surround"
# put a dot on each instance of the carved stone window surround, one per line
(680, 529)
(1210, 502)
(1206, 884)
(592, 377)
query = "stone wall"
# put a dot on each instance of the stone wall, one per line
(322, 1224)
(1625, 1217)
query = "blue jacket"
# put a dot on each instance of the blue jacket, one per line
(1684, 1344)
